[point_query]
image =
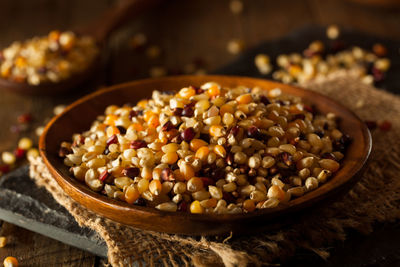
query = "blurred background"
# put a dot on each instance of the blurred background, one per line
(174, 37)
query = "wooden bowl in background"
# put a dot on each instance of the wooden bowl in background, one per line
(78, 117)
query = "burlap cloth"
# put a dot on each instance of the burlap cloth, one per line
(374, 199)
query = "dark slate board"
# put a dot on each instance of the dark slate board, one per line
(33, 208)
(26, 205)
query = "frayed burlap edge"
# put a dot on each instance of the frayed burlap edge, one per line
(375, 198)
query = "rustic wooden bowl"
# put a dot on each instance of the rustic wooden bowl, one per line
(99, 30)
(78, 116)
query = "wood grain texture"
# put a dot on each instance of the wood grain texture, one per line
(73, 121)
(37, 250)
(185, 32)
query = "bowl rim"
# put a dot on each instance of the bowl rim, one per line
(293, 205)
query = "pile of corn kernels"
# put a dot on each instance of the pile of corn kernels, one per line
(50, 58)
(319, 60)
(208, 150)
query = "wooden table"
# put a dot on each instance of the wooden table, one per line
(186, 31)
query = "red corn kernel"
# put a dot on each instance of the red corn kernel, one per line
(264, 100)
(113, 139)
(378, 75)
(188, 134)
(207, 181)
(178, 111)
(167, 126)
(229, 159)
(235, 130)
(121, 129)
(379, 50)
(24, 118)
(167, 174)
(188, 111)
(4, 168)
(138, 144)
(131, 172)
(385, 126)
(19, 153)
(253, 132)
(309, 108)
(132, 114)
(182, 206)
(228, 197)
(104, 175)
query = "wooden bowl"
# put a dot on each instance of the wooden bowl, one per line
(78, 117)
(53, 88)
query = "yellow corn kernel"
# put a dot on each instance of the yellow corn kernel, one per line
(131, 194)
(169, 158)
(143, 185)
(20, 62)
(155, 187)
(32, 152)
(202, 153)
(217, 130)
(196, 207)
(142, 103)
(209, 203)
(194, 184)
(213, 90)
(187, 92)
(179, 176)
(195, 144)
(171, 147)
(111, 130)
(249, 205)
(276, 192)
(54, 35)
(153, 121)
(186, 170)
(25, 143)
(295, 70)
(220, 151)
(202, 105)
(244, 99)
(110, 119)
(136, 126)
(226, 109)
(3, 241)
(6, 71)
(147, 115)
(13, 262)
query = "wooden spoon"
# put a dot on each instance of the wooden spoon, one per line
(100, 30)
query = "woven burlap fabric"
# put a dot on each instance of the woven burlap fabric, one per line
(375, 198)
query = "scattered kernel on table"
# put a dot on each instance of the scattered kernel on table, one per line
(236, 6)
(319, 60)
(25, 143)
(235, 46)
(263, 64)
(58, 109)
(8, 158)
(158, 72)
(332, 32)
(10, 262)
(208, 150)
(153, 51)
(51, 58)
(138, 40)
(3, 241)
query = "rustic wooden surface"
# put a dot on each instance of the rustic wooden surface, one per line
(186, 31)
